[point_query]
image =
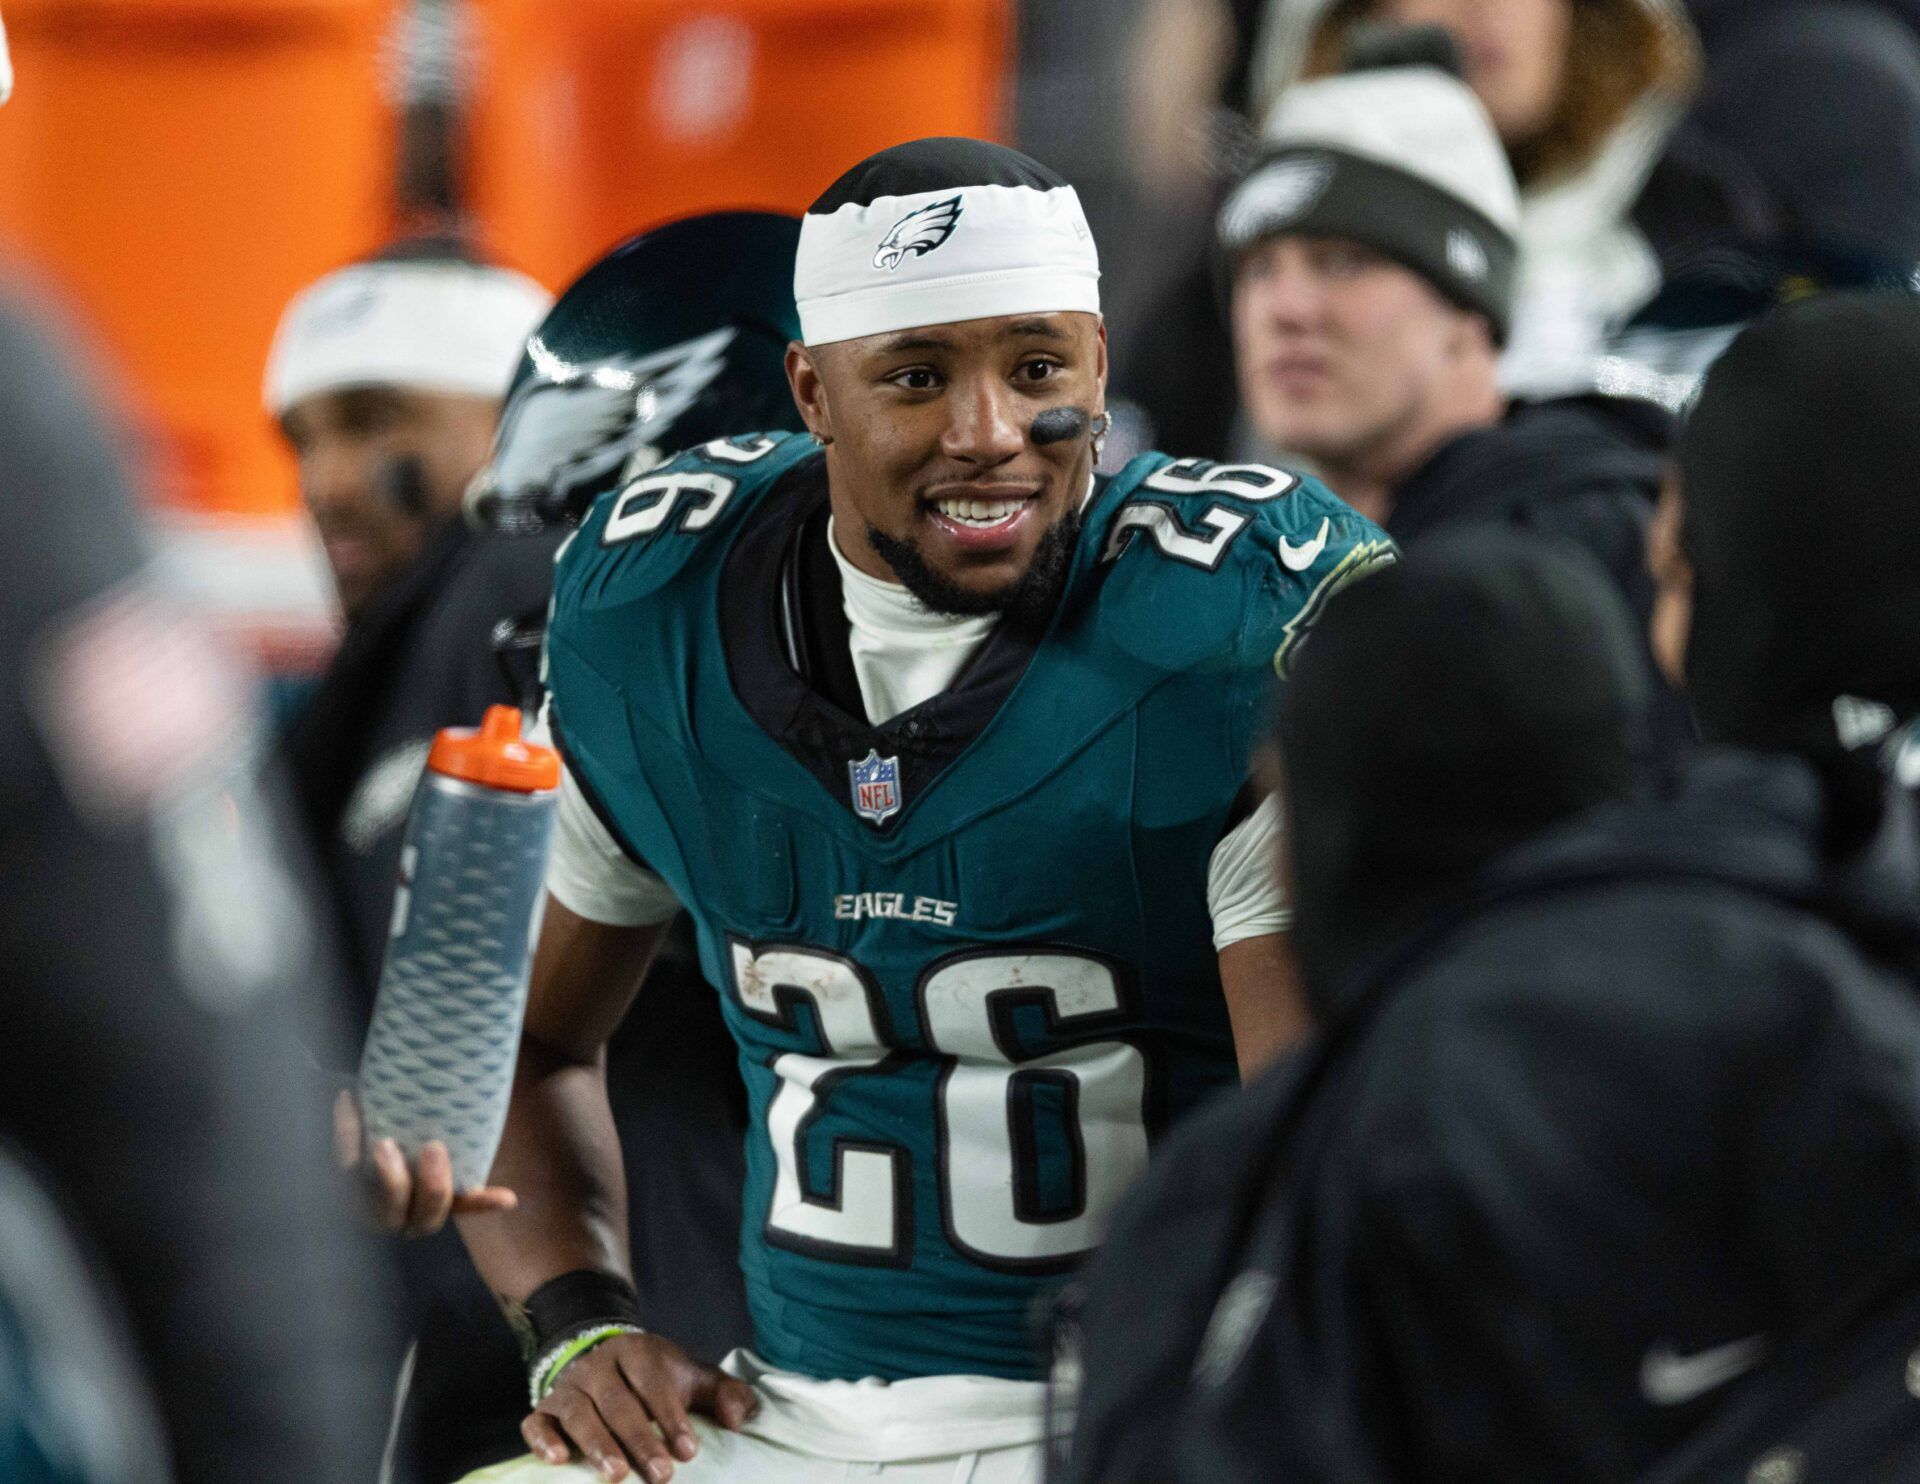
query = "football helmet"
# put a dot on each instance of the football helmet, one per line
(676, 337)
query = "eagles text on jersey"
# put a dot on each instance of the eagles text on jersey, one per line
(966, 954)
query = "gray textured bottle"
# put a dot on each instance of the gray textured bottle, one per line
(439, 1057)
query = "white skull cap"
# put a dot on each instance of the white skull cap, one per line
(937, 231)
(433, 326)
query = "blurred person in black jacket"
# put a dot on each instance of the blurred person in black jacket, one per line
(675, 337)
(1789, 599)
(162, 977)
(1771, 188)
(386, 378)
(1614, 1101)
(1372, 258)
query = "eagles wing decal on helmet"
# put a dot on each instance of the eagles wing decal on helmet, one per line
(918, 232)
(588, 422)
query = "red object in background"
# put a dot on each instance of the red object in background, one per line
(596, 118)
(182, 168)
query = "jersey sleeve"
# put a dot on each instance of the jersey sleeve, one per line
(590, 875)
(1218, 566)
(1245, 896)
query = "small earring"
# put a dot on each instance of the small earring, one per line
(819, 441)
(1102, 425)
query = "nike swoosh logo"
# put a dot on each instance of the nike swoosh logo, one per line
(1668, 1379)
(1299, 558)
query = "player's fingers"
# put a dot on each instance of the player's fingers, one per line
(486, 1198)
(392, 1185)
(581, 1422)
(346, 1129)
(544, 1438)
(728, 1400)
(432, 1191)
(664, 1400)
(631, 1422)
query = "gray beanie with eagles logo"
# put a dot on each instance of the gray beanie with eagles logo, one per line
(1402, 159)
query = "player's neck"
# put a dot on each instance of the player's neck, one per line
(1370, 477)
(848, 539)
(857, 553)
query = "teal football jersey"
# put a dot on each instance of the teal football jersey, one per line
(967, 954)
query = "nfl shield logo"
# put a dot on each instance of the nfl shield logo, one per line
(876, 786)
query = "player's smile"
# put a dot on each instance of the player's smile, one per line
(985, 516)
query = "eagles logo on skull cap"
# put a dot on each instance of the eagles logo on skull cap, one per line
(919, 231)
(937, 231)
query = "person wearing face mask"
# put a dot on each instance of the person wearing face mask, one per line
(386, 379)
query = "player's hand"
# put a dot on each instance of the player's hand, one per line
(625, 1404)
(416, 1202)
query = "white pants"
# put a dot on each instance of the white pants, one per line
(933, 1430)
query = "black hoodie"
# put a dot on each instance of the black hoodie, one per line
(1587, 469)
(1632, 1113)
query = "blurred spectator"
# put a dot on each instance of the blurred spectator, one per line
(1372, 269)
(160, 976)
(674, 338)
(1769, 189)
(386, 378)
(1584, 94)
(1614, 1104)
(1795, 630)
(74, 1407)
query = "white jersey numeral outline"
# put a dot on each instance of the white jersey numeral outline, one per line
(991, 1207)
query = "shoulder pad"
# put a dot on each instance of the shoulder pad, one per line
(642, 533)
(1224, 565)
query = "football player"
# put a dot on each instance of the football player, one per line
(942, 740)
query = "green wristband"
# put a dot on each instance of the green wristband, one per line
(569, 1350)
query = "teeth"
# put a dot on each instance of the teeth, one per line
(978, 512)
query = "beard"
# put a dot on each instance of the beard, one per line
(1027, 602)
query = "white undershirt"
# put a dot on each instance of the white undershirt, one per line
(903, 654)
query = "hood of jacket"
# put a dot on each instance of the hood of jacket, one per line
(1446, 711)
(1758, 823)
(1761, 823)
(1539, 455)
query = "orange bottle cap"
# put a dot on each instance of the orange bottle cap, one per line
(495, 755)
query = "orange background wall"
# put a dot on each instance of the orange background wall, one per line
(622, 113)
(182, 167)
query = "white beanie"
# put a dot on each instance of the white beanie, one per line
(1403, 159)
(433, 325)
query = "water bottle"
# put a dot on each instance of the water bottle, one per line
(439, 1057)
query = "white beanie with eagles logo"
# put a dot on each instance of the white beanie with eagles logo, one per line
(1403, 159)
(937, 231)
